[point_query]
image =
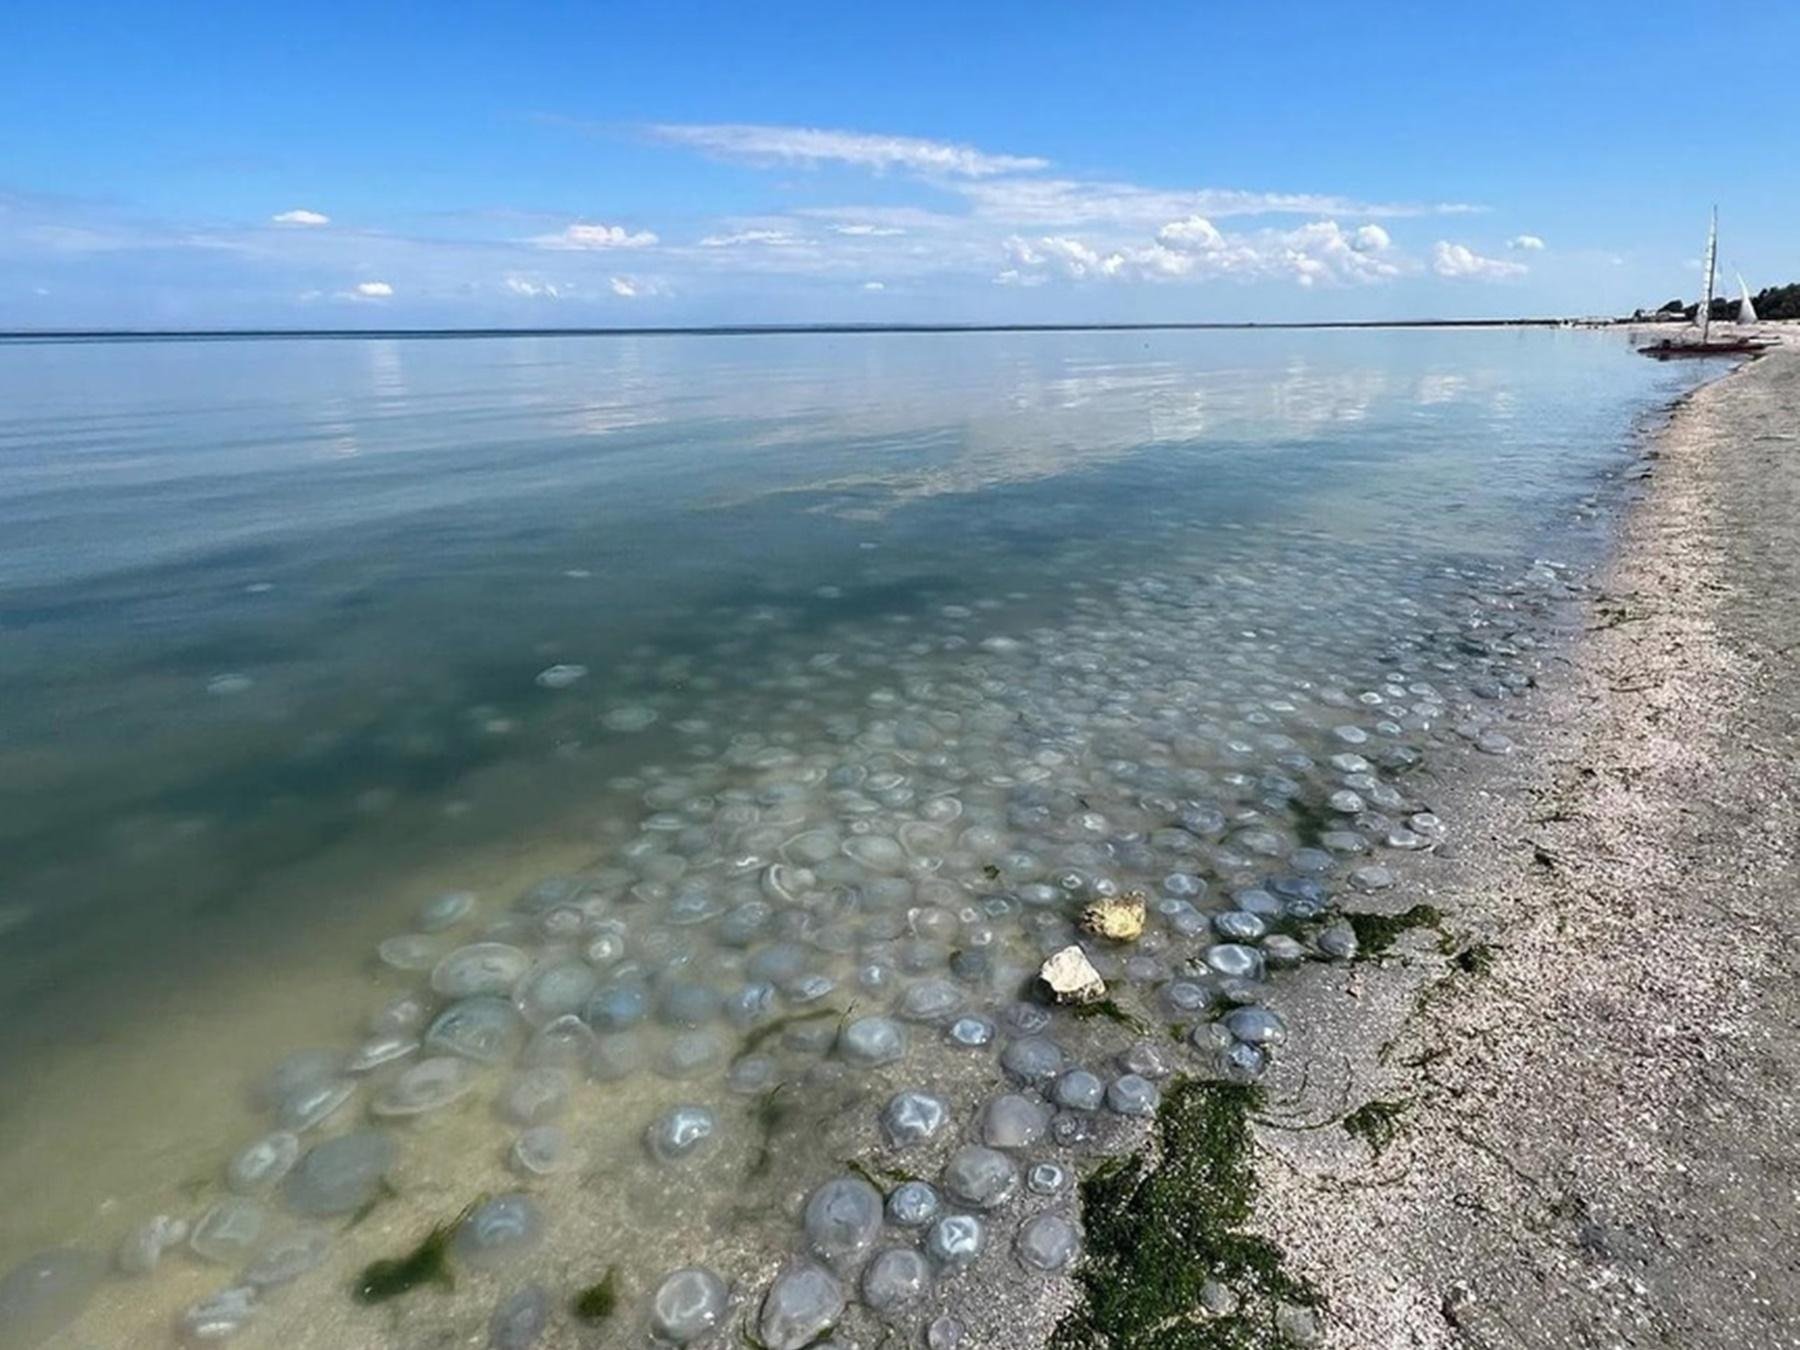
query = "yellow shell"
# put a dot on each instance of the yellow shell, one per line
(1119, 918)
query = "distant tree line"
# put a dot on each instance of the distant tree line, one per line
(1772, 302)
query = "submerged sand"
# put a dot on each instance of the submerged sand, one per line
(1596, 1109)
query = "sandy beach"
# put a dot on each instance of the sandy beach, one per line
(1565, 1115)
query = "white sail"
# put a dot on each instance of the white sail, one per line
(1746, 310)
(1704, 313)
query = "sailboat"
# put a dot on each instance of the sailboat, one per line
(1707, 344)
(1746, 310)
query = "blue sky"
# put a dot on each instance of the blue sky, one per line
(447, 164)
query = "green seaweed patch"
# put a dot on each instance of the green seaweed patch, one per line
(881, 1178)
(1375, 933)
(1375, 1123)
(427, 1263)
(1112, 1012)
(781, 1024)
(598, 1301)
(1475, 959)
(1167, 1219)
(1310, 821)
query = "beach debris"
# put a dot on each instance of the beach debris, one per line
(1071, 978)
(1117, 918)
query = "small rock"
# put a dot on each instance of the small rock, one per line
(1071, 978)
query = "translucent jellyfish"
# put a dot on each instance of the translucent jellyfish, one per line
(1013, 1121)
(259, 1166)
(289, 1256)
(498, 1230)
(980, 1176)
(541, 1151)
(227, 1231)
(340, 1175)
(311, 1105)
(912, 1117)
(426, 1086)
(681, 1133)
(877, 852)
(913, 1204)
(1258, 1026)
(955, 1241)
(534, 1096)
(219, 1316)
(1132, 1095)
(561, 676)
(628, 717)
(484, 1029)
(300, 1070)
(895, 1279)
(379, 1050)
(872, 1041)
(445, 911)
(1048, 1243)
(491, 968)
(555, 990)
(1033, 1059)
(842, 1220)
(688, 1305)
(1079, 1090)
(409, 952)
(141, 1249)
(519, 1322)
(803, 1303)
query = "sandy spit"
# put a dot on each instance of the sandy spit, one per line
(1598, 1141)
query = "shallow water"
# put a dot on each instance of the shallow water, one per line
(914, 642)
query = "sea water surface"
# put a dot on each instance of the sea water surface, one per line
(733, 677)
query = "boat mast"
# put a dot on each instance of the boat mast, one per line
(1712, 257)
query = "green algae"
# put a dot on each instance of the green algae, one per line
(1375, 1123)
(769, 1029)
(598, 1301)
(1167, 1219)
(427, 1263)
(771, 1113)
(1112, 1012)
(1375, 933)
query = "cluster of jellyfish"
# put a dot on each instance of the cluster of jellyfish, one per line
(807, 964)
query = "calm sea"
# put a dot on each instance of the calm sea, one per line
(295, 635)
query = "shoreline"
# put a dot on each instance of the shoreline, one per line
(1564, 1116)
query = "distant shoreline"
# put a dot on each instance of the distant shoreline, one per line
(24, 336)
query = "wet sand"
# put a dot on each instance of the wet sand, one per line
(1590, 1071)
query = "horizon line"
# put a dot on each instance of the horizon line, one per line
(29, 335)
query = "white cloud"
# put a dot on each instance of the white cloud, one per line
(1063, 201)
(374, 290)
(1193, 248)
(771, 238)
(1459, 261)
(536, 290)
(1529, 242)
(874, 285)
(811, 145)
(580, 236)
(864, 230)
(1196, 232)
(299, 216)
(636, 288)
